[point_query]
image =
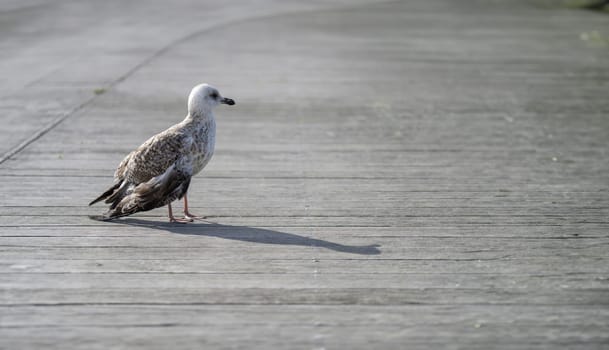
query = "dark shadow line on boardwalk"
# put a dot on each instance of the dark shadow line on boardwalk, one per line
(250, 234)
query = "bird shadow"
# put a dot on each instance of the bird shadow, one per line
(250, 234)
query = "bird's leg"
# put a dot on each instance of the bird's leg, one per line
(174, 219)
(187, 214)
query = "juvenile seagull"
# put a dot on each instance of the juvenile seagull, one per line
(159, 171)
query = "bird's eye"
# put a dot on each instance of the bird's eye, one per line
(214, 95)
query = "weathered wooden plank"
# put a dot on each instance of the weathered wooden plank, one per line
(251, 314)
(279, 251)
(387, 337)
(301, 326)
(506, 266)
(305, 280)
(242, 239)
(418, 206)
(474, 221)
(24, 297)
(157, 226)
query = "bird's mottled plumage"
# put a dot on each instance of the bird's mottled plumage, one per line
(159, 171)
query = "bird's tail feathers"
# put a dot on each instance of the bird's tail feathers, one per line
(121, 192)
(106, 194)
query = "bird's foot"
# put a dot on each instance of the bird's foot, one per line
(185, 220)
(191, 217)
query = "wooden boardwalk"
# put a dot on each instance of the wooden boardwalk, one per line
(395, 175)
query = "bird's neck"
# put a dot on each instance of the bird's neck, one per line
(203, 117)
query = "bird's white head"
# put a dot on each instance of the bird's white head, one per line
(203, 98)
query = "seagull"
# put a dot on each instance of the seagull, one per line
(159, 171)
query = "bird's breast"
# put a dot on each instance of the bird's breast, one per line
(203, 146)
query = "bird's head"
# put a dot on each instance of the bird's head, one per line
(204, 97)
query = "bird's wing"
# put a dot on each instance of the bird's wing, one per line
(119, 174)
(149, 160)
(156, 155)
(160, 190)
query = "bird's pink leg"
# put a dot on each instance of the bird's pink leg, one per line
(187, 214)
(174, 219)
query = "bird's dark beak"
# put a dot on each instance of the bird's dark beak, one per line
(227, 101)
